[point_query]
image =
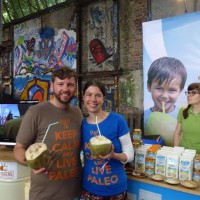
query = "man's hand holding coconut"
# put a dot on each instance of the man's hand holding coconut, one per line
(38, 158)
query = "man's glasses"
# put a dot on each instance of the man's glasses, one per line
(192, 93)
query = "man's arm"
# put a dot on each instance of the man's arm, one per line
(19, 153)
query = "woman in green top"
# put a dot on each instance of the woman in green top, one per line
(187, 133)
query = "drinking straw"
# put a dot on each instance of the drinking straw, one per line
(98, 126)
(48, 130)
(163, 106)
(104, 165)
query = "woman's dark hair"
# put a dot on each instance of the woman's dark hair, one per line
(192, 86)
(96, 83)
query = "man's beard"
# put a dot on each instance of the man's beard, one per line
(66, 101)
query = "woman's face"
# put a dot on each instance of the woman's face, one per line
(93, 99)
(193, 97)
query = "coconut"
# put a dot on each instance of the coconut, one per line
(162, 124)
(37, 156)
(100, 145)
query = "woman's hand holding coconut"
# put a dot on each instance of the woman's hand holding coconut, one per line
(122, 157)
(109, 155)
(100, 146)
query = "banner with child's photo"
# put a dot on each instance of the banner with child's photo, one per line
(171, 61)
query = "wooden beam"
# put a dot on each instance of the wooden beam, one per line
(101, 74)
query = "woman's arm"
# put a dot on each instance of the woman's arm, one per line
(177, 134)
(127, 154)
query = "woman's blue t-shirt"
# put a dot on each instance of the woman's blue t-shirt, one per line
(113, 179)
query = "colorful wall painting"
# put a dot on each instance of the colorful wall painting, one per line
(37, 52)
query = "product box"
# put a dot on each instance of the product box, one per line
(185, 168)
(160, 164)
(172, 166)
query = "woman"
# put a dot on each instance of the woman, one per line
(104, 177)
(187, 133)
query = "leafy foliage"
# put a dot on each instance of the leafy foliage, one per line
(16, 9)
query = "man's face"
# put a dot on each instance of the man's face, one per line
(166, 92)
(64, 90)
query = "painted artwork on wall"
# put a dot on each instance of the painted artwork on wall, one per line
(37, 52)
(99, 46)
(100, 36)
(171, 62)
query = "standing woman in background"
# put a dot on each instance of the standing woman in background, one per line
(187, 133)
(104, 178)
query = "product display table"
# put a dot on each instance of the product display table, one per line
(12, 176)
(148, 189)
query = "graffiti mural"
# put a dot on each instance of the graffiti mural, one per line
(98, 51)
(37, 52)
(99, 22)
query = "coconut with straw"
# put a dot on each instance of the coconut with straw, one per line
(37, 155)
(163, 124)
(100, 145)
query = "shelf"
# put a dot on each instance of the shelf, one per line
(163, 184)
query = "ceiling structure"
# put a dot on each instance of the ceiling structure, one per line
(19, 10)
(16, 11)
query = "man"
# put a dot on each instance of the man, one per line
(61, 180)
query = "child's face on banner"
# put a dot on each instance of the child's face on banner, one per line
(167, 92)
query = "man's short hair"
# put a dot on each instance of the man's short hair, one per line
(64, 72)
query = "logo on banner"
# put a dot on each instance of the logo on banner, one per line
(8, 170)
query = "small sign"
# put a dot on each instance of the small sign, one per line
(8, 170)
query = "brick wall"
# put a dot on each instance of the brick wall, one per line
(131, 15)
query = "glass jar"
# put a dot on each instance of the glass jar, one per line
(137, 135)
(149, 171)
(150, 163)
(197, 162)
(196, 176)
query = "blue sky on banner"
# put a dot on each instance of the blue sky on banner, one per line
(177, 37)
